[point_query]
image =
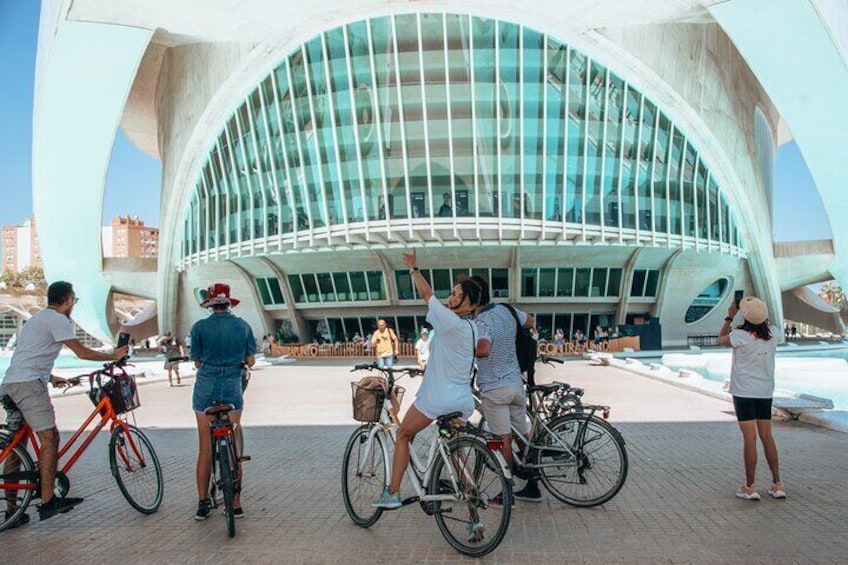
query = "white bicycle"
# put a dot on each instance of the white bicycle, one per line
(464, 482)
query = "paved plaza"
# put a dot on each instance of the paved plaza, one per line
(676, 507)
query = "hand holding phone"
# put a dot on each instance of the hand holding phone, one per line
(737, 297)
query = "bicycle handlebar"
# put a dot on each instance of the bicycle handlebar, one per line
(547, 360)
(411, 371)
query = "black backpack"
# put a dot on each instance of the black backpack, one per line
(526, 348)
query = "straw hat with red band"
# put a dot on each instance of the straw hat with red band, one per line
(218, 293)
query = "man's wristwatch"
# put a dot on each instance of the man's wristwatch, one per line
(728, 319)
(413, 270)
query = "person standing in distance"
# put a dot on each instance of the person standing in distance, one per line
(384, 343)
(25, 383)
(752, 385)
(499, 377)
(220, 345)
(422, 349)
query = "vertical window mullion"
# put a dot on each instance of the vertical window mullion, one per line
(637, 165)
(242, 140)
(426, 130)
(451, 164)
(624, 88)
(566, 102)
(652, 173)
(330, 98)
(585, 145)
(604, 154)
(498, 128)
(285, 154)
(668, 230)
(273, 162)
(302, 182)
(319, 164)
(259, 172)
(355, 121)
(402, 120)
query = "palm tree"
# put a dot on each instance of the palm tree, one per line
(833, 294)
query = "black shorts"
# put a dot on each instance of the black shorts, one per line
(748, 409)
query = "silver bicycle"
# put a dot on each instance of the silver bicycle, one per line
(579, 457)
(463, 482)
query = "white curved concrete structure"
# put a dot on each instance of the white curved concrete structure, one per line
(682, 59)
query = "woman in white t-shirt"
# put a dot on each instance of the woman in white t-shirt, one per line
(447, 386)
(752, 385)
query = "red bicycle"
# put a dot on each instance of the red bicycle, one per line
(132, 459)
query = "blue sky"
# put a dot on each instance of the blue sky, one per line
(133, 181)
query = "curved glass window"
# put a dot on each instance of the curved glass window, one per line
(707, 300)
(432, 121)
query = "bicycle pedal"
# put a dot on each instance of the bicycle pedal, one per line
(244, 458)
(410, 500)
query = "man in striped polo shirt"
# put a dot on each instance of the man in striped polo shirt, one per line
(499, 377)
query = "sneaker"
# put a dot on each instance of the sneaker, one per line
(22, 520)
(776, 490)
(748, 492)
(497, 500)
(55, 506)
(387, 501)
(238, 512)
(476, 531)
(204, 508)
(529, 493)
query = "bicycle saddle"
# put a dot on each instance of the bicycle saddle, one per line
(544, 389)
(219, 409)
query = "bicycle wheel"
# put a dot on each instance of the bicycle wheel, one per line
(17, 469)
(583, 461)
(227, 471)
(136, 469)
(472, 524)
(364, 475)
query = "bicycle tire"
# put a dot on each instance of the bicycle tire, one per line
(475, 464)
(595, 469)
(22, 496)
(136, 469)
(360, 487)
(227, 474)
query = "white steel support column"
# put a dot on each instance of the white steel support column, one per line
(74, 125)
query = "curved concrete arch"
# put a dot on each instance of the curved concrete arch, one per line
(792, 48)
(85, 73)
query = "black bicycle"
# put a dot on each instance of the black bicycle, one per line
(226, 462)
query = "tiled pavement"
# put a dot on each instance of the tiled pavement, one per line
(676, 507)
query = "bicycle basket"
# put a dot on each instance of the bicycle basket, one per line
(368, 396)
(122, 392)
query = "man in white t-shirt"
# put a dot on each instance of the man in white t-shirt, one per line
(422, 349)
(25, 384)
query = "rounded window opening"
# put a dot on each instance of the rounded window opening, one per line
(708, 299)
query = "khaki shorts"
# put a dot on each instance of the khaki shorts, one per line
(505, 405)
(33, 401)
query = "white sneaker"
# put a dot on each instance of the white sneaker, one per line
(776, 490)
(747, 492)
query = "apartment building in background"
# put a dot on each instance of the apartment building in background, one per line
(127, 236)
(20, 247)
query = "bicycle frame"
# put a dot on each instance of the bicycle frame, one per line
(537, 424)
(107, 414)
(388, 427)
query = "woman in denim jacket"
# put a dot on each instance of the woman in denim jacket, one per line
(220, 345)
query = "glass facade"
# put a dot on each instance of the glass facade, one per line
(356, 286)
(433, 121)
